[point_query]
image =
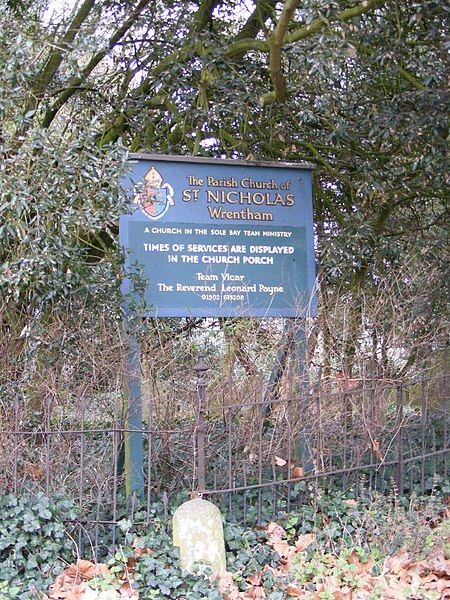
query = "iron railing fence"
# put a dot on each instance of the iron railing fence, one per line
(252, 457)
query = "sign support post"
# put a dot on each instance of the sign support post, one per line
(133, 436)
(303, 450)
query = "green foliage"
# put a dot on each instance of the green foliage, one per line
(366, 530)
(57, 206)
(246, 553)
(33, 543)
(158, 573)
(366, 100)
(60, 200)
(369, 529)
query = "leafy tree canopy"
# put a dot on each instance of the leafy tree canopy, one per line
(359, 88)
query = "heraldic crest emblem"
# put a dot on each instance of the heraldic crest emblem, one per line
(154, 197)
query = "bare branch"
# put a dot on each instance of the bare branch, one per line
(276, 41)
(56, 57)
(242, 46)
(254, 24)
(74, 85)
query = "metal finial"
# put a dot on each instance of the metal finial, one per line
(201, 366)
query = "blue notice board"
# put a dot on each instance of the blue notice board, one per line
(217, 237)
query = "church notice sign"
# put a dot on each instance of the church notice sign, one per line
(217, 237)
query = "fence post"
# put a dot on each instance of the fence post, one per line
(200, 370)
(399, 427)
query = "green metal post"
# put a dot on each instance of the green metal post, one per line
(133, 436)
(304, 451)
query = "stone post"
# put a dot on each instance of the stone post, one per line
(198, 532)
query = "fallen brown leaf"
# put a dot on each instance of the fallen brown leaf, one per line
(227, 587)
(285, 551)
(398, 561)
(256, 578)
(275, 533)
(254, 593)
(138, 551)
(87, 570)
(303, 541)
(293, 590)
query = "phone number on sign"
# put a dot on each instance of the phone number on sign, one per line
(216, 297)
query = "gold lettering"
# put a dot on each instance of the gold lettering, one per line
(260, 198)
(213, 195)
(290, 199)
(231, 197)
